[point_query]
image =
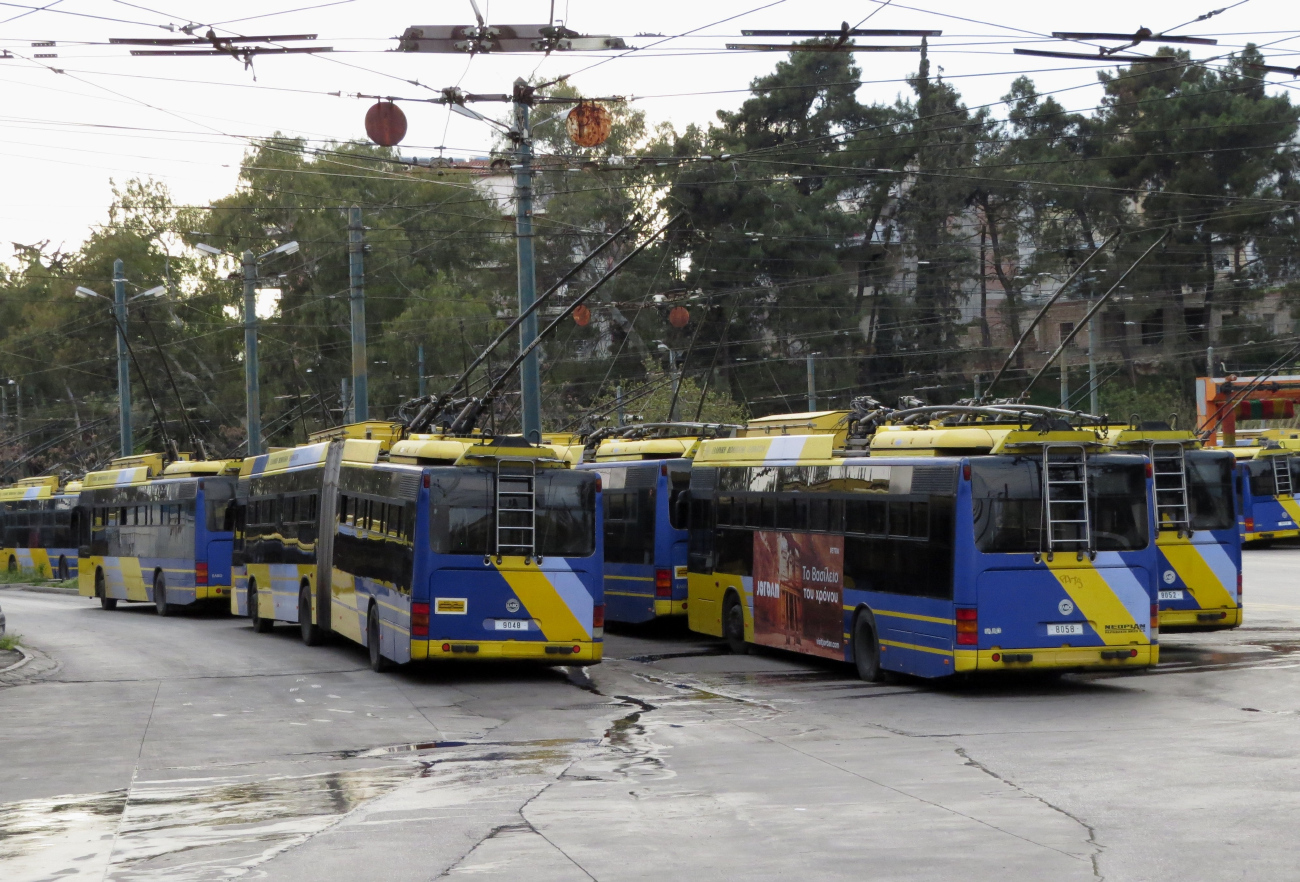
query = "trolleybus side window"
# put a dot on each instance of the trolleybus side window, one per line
(1209, 490)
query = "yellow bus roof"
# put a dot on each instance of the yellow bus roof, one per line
(646, 448)
(434, 449)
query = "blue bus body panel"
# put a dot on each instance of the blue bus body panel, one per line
(1221, 552)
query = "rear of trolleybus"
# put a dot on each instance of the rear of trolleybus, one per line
(954, 553)
(1198, 544)
(36, 520)
(645, 472)
(1268, 480)
(424, 548)
(152, 535)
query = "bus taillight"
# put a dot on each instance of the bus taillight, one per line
(1155, 618)
(967, 626)
(598, 616)
(663, 583)
(1238, 586)
(201, 572)
(1250, 525)
(420, 620)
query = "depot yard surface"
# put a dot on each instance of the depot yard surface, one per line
(192, 749)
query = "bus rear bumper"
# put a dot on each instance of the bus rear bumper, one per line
(1270, 535)
(587, 652)
(1200, 619)
(670, 607)
(1075, 658)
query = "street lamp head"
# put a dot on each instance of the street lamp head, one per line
(86, 292)
(287, 248)
(159, 291)
(208, 249)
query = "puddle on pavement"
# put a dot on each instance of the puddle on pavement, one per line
(179, 829)
(1183, 658)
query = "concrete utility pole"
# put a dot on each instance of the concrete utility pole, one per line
(123, 366)
(812, 383)
(530, 373)
(252, 391)
(420, 368)
(357, 280)
(1065, 384)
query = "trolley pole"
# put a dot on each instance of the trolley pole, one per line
(252, 391)
(529, 374)
(420, 368)
(123, 366)
(357, 279)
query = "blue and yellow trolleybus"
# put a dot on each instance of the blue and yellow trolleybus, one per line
(1198, 541)
(1268, 476)
(36, 516)
(155, 533)
(423, 547)
(645, 469)
(970, 539)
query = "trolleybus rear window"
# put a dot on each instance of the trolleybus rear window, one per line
(1209, 490)
(463, 522)
(1007, 496)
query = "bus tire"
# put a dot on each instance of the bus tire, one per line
(160, 596)
(733, 625)
(378, 663)
(63, 569)
(260, 625)
(13, 564)
(312, 633)
(101, 591)
(866, 648)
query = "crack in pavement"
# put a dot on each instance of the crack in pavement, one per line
(1097, 847)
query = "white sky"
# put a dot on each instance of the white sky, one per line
(186, 121)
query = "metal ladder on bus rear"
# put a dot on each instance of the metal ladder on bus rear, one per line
(1066, 515)
(1282, 476)
(516, 507)
(1169, 470)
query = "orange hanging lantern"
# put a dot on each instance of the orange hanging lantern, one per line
(679, 316)
(386, 124)
(589, 124)
(582, 316)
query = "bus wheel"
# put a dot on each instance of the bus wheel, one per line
(866, 649)
(312, 634)
(63, 569)
(105, 602)
(260, 625)
(160, 596)
(378, 663)
(733, 626)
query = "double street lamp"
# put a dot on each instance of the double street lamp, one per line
(251, 391)
(119, 301)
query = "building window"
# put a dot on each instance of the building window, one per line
(1153, 328)
(1067, 328)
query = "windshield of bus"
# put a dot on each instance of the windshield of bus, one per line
(462, 522)
(1209, 490)
(1007, 503)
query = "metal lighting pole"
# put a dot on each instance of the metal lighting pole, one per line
(357, 281)
(420, 376)
(530, 374)
(812, 383)
(252, 391)
(123, 366)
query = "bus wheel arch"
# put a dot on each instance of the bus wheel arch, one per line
(12, 566)
(101, 591)
(733, 623)
(312, 633)
(160, 594)
(63, 568)
(866, 646)
(378, 663)
(260, 625)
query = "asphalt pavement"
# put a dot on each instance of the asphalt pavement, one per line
(133, 748)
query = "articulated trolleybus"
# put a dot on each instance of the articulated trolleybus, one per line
(39, 534)
(155, 534)
(645, 471)
(424, 547)
(1198, 543)
(970, 539)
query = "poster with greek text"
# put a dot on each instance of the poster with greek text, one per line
(798, 592)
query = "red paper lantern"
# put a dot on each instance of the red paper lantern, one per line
(582, 315)
(386, 124)
(679, 316)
